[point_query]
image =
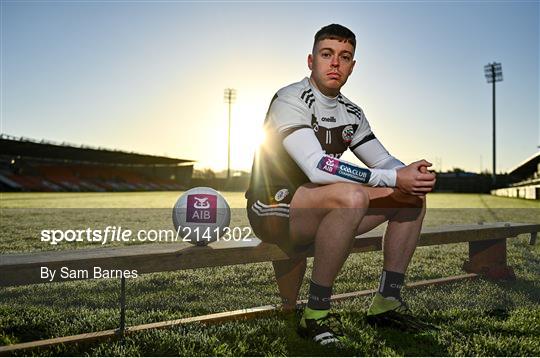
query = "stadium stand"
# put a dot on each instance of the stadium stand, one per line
(30, 165)
(464, 182)
(525, 180)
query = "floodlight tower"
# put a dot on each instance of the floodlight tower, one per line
(493, 73)
(230, 97)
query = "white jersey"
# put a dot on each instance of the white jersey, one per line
(336, 122)
(306, 134)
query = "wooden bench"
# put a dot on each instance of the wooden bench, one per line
(487, 253)
(487, 257)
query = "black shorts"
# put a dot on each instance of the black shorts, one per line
(268, 214)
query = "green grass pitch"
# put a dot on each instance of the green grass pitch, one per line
(477, 317)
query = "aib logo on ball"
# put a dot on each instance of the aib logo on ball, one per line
(201, 208)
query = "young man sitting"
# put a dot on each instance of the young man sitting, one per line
(302, 194)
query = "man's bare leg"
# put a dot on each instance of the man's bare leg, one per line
(330, 214)
(401, 237)
(290, 273)
(405, 215)
(289, 276)
(404, 225)
(399, 244)
(319, 211)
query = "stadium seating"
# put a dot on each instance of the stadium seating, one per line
(28, 165)
(55, 177)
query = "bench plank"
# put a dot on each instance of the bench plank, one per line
(21, 269)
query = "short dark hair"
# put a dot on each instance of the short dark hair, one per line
(335, 32)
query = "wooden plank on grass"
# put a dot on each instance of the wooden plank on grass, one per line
(438, 281)
(22, 269)
(86, 337)
(213, 318)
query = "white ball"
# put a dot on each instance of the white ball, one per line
(201, 215)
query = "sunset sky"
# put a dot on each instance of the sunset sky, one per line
(149, 76)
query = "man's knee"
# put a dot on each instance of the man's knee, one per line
(422, 206)
(351, 196)
(414, 210)
(418, 202)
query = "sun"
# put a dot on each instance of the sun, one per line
(247, 135)
(256, 138)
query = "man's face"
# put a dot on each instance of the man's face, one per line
(331, 64)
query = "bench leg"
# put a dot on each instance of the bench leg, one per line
(532, 240)
(122, 328)
(488, 258)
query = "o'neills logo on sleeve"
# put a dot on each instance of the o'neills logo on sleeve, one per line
(201, 208)
(336, 167)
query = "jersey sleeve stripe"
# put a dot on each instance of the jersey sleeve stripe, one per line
(364, 140)
(310, 98)
(352, 109)
(358, 115)
(349, 105)
(305, 92)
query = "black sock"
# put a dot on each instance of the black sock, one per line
(319, 297)
(391, 283)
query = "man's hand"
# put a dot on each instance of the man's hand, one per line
(415, 179)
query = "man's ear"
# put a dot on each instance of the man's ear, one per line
(310, 61)
(352, 67)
